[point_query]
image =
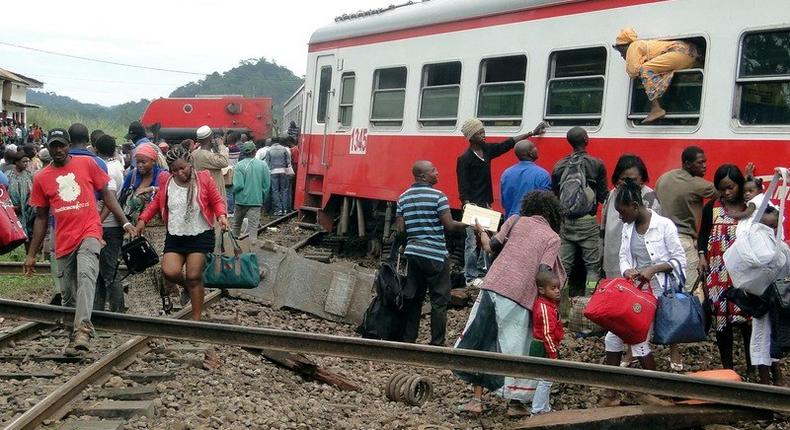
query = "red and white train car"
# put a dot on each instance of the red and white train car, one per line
(390, 88)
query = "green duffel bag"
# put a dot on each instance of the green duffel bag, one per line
(240, 270)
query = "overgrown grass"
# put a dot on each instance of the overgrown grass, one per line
(49, 119)
(18, 254)
(16, 286)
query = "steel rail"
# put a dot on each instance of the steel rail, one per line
(271, 223)
(21, 332)
(65, 394)
(659, 383)
(42, 268)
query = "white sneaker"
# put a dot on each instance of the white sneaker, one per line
(475, 283)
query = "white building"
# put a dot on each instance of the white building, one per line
(13, 99)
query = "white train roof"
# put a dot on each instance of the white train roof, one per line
(420, 14)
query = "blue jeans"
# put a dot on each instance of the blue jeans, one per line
(475, 260)
(540, 402)
(281, 192)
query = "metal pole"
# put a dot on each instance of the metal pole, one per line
(644, 381)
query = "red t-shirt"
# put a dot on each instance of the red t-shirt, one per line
(68, 191)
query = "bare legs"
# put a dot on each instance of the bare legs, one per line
(191, 278)
(656, 112)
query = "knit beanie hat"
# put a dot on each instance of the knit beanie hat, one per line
(471, 127)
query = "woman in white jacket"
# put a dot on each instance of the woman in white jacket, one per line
(650, 251)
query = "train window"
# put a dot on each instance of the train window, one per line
(389, 94)
(440, 89)
(682, 100)
(324, 85)
(764, 78)
(347, 82)
(500, 94)
(575, 87)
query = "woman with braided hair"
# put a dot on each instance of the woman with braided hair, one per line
(651, 253)
(189, 203)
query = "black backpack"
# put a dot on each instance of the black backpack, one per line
(575, 194)
(780, 317)
(384, 318)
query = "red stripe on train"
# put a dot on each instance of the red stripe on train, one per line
(481, 22)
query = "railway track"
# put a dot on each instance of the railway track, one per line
(57, 403)
(657, 383)
(53, 406)
(42, 268)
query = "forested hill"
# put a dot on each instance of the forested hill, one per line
(255, 77)
(61, 111)
(251, 78)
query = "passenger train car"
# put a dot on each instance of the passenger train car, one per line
(389, 88)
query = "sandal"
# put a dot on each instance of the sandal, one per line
(474, 406)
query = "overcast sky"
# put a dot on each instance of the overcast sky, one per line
(197, 36)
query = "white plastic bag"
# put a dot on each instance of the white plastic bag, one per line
(757, 257)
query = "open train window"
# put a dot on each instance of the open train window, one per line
(389, 95)
(764, 78)
(575, 88)
(439, 92)
(500, 93)
(683, 98)
(324, 84)
(346, 109)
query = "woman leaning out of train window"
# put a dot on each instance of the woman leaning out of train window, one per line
(648, 248)
(141, 183)
(501, 318)
(189, 203)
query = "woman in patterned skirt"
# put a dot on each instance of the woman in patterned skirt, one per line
(654, 62)
(717, 234)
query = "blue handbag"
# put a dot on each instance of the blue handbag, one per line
(679, 317)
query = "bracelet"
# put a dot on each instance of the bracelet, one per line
(127, 223)
(701, 252)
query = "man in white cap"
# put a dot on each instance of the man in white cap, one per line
(473, 170)
(213, 159)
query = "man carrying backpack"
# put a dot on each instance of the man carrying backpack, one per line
(579, 180)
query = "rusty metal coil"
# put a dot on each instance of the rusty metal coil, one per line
(414, 390)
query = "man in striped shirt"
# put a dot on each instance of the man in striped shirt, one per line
(423, 214)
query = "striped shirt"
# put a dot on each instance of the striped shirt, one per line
(420, 206)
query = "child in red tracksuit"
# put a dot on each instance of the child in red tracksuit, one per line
(547, 333)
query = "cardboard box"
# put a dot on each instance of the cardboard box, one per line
(488, 219)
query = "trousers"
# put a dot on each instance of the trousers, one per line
(585, 234)
(426, 275)
(108, 287)
(253, 215)
(281, 192)
(77, 272)
(475, 260)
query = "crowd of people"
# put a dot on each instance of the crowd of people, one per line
(79, 193)
(669, 235)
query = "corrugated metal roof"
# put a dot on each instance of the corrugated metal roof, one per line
(422, 14)
(22, 79)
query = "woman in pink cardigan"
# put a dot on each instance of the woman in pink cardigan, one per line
(189, 203)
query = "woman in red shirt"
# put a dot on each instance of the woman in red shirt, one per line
(188, 203)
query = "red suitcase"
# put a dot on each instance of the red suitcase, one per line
(12, 234)
(622, 308)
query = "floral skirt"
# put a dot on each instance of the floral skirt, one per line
(656, 74)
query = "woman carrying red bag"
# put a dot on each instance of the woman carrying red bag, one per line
(649, 243)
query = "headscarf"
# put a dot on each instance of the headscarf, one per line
(44, 156)
(248, 147)
(180, 153)
(148, 151)
(625, 36)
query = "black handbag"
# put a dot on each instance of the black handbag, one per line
(750, 304)
(138, 255)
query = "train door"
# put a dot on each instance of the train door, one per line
(321, 105)
(316, 151)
